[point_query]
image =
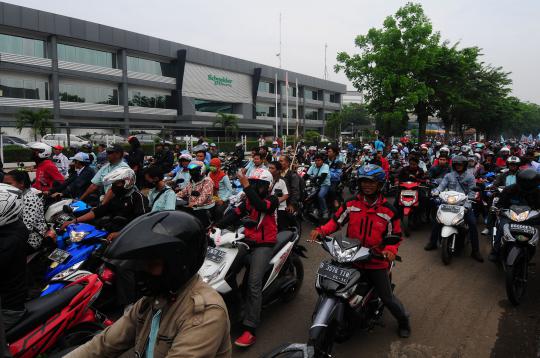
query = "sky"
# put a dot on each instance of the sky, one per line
(507, 31)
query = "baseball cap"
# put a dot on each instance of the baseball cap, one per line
(80, 157)
(58, 147)
(112, 148)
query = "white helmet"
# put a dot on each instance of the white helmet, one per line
(261, 174)
(125, 174)
(367, 147)
(10, 208)
(185, 156)
(505, 149)
(10, 189)
(45, 150)
(205, 145)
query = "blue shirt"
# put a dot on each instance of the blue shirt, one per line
(379, 145)
(225, 188)
(455, 182)
(317, 172)
(166, 201)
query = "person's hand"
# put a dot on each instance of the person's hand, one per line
(51, 233)
(56, 195)
(191, 205)
(388, 255)
(112, 236)
(314, 235)
(290, 209)
(65, 224)
(243, 178)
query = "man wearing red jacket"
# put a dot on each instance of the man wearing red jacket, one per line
(47, 173)
(261, 236)
(369, 218)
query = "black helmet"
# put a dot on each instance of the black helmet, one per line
(175, 237)
(459, 159)
(527, 179)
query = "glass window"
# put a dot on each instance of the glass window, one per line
(86, 56)
(22, 46)
(311, 94)
(265, 110)
(202, 105)
(292, 90)
(311, 114)
(24, 88)
(267, 87)
(292, 111)
(148, 98)
(137, 64)
(88, 94)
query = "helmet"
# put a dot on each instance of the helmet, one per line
(489, 153)
(205, 145)
(10, 207)
(213, 145)
(513, 160)
(371, 172)
(238, 145)
(459, 159)
(367, 147)
(275, 143)
(44, 150)
(465, 149)
(423, 146)
(478, 156)
(86, 146)
(197, 165)
(81, 157)
(262, 175)
(58, 147)
(185, 156)
(444, 150)
(125, 174)
(175, 237)
(505, 149)
(312, 148)
(394, 151)
(527, 179)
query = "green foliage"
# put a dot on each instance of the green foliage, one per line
(39, 121)
(312, 137)
(351, 116)
(227, 122)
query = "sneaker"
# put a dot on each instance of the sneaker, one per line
(245, 340)
(430, 246)
(477, 256)
(404, 329)
(485, 231)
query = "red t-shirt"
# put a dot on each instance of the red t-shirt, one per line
(46, 174)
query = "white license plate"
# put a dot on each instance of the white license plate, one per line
(59, 256)
(451, 208)
(334, 273)
(525, 229)
(408, 192)
(215, 255)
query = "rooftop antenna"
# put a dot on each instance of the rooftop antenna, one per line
(325, 66)
(279, 53)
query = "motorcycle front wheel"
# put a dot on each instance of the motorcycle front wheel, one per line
(516, 280)
(295, 268)
(446, 249)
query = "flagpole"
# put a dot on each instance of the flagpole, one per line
(287, 99)
(297, 122)
(276, 111)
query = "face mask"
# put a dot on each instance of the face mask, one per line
(151, 184)
(213, 169)
(118, 191)
(150, 285)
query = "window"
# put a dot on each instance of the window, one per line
(137, 64)
(202, 105)
(15, 87)
(148, 98)
(292, 90)
(292, 111)
(88, 94)
(264, 110)
(86, 56)
(331, 97)
(267, 87)
(312, 114)
(311, 94)
(22, 46)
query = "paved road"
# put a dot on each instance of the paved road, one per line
(459, 310)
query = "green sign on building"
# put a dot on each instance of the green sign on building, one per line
(220, 81)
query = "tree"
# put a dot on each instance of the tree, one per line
(39, 121)
(227, 122)
(351, 116)
(392, 66)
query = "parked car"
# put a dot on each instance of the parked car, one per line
(12, 140)
(107, 138)
(61, 139)
(146, 138)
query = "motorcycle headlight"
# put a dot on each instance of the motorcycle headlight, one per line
(77, 236)
(62, 275)
(344, 255)
(519, 217)
(211, 276)
(452, 199)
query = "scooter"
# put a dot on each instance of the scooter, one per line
(65, 210)
(346, 299)
(518, 246)
(284, 275)
(58, 321)
(410, 202)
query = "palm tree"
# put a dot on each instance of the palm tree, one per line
(39, 121)
(227, 122)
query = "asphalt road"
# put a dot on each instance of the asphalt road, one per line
(459, 310)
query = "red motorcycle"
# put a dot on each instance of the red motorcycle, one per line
(58, 321)
(409, 201)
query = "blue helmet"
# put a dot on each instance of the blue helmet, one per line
(372, 172)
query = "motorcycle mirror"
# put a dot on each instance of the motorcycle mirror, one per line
(67, 209)
(391, 240)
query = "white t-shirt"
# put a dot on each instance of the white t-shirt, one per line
(281, 185)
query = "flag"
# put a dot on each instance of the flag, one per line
(502, 138)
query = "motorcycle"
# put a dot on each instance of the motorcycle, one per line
(284, 275)
(346, 299)
(409, 200)
(451, 214)
(65, 210)
(58, 321)
(518, 245)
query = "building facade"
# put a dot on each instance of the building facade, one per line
(98, 77)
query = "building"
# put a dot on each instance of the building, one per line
(98, 77)
(353, 97)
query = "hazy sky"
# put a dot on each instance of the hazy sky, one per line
(507, 31)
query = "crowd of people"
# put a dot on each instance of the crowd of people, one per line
(169, 202)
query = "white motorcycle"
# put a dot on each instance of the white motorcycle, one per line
(284, 275)
(451, 214)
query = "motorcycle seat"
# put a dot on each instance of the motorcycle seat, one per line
(283, 237)
(41, 309)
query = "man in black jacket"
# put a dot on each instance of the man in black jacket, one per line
(79, 180)
(135, 159)
(295, 188)
(163, 158)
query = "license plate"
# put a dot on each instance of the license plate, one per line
(334, 273)
(215, 255)
(525, 229)
(451, 208)
(408, 192)
(59, 256)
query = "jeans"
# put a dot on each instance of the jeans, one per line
(257, 259)
(381, 282)
(323, 191)
(470, 220)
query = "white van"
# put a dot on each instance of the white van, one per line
(61, 139)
